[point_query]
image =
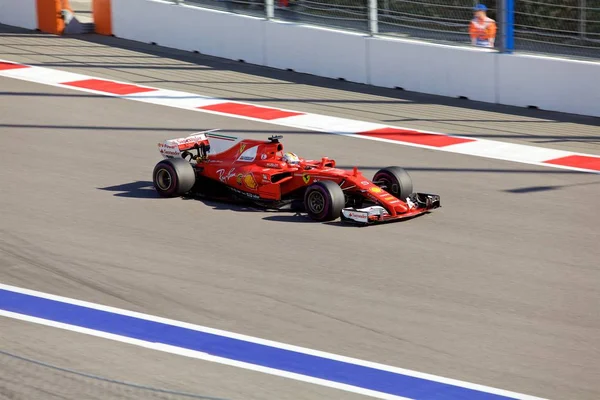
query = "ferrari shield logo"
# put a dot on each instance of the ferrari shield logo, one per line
(306, 178)
(250, 182)
(242, 147)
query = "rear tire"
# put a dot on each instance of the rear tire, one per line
(173, 177)
(394, 180)
(324, 201)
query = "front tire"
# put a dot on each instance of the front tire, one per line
(394, 180)
(173, 177)
(324, 201)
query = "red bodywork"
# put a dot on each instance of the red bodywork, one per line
(263, 176)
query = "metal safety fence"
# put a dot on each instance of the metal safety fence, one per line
(566, 27)
(558, 26)
(446, 20)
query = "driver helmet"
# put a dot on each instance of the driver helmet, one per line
(291, 158)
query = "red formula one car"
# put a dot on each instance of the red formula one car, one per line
(219, 166)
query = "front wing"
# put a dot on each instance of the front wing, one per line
(377, 214)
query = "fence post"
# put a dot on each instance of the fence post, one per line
(509, 15)
(501, 17)
(270, 9)
(373, 26)
(582, 18)
(506, 23)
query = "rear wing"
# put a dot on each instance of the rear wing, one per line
(218, 143)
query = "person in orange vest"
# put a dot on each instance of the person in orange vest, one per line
(482, 28)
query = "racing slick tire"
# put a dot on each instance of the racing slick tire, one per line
(323, 201)
(396, 181)
(173, 177)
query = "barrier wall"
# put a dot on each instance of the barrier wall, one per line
(20, 13)
(476, 73)
(318, 51)
(433, 68)
(210, 32)
(554, 84)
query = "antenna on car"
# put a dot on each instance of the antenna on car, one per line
(275, 138)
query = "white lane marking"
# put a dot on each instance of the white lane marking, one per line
(200, 356)
(308, 121)
(164, 97)
(325, 123)
(41, 75)
(499, 150)
(251, 339)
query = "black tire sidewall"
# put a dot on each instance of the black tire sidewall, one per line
(333, 197)
(326, 198)
(172, 191)
(182, 175)
(397, 176)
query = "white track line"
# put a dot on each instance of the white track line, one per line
(490, 149)
(204, 356)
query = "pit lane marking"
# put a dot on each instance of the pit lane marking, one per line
(241, 351)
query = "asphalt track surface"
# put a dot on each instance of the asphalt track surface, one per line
(499, 287)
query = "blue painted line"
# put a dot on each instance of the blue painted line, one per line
(510, 25)
(239, 350)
